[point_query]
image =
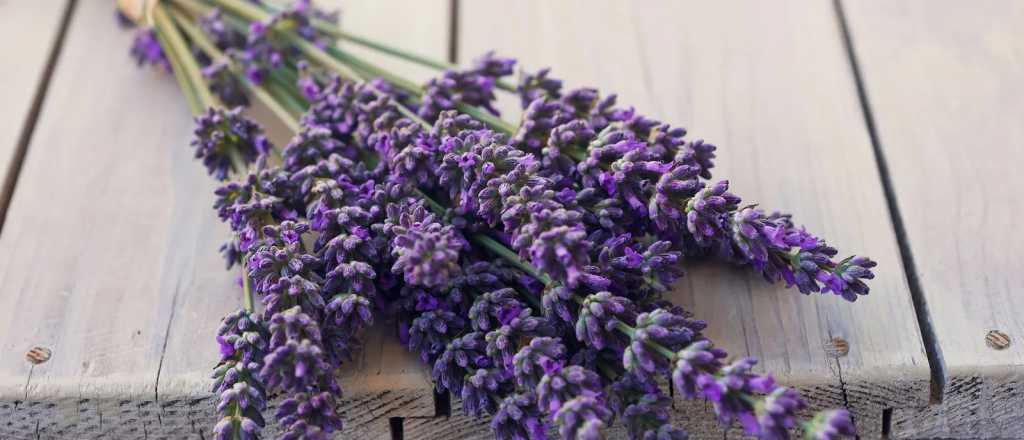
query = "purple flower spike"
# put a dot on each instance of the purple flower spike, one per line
(430, 332)
(655, 327)
(776, 415)
(672, 190)
(243, 342)
(241, 405)
(222, 35)
(848, 277)
(225, 84)
(309, 146)
(427, 252)
(695, 364)
(518, 418)
(493, 66)
(705, 212)
(480, 389)
(146, 50)
(462, 355)
(537, 86)
(644, 409)
(474, 87)
(583, 418)
(599, 315)
(529, 361)
(829, 425)
(561, 384)
(727, 391)
(226, 140)
(638, 269)
(501, 342)
(345, 317)
(296, 361)
(494, 309)
(308, 416)
(539, 119)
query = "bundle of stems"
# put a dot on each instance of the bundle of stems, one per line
(526, 262)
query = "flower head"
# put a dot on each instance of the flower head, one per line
(227, 141)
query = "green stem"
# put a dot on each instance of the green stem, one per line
(189, 65)
(189, 85)
(282, 78)
(374, 70)
(247, 288)
(335, 31)
(407, 85)
(280, 92)
(254, 13)
(487, 118)
(203, 42)
(179, 75)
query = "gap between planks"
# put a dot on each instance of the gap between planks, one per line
(932, 348)
(10, 182)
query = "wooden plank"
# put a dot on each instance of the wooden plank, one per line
(28, 35)
(109, 259)
(102, 234)
(944, 81)
(771, 85)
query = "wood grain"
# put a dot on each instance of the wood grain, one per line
(944, 80)
(109, 258)
(771, 85)
(28, 38)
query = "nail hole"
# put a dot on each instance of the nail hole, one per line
(837, 347)
(997, 339)
(38, 355)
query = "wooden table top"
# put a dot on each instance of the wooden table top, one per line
(893, 128)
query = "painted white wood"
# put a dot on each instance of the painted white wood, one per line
(109, 254)
(945, 85)
(27, 38)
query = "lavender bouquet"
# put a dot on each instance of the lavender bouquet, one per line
(525, 263)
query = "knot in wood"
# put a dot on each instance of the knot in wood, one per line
(38, 355)
(837, 347)
(997, 339)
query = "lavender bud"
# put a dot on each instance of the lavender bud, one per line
(829, 425)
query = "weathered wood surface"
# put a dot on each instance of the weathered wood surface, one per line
(109, 257)
(945, 81)
(772, 86)
(114, 267)
(28, 36)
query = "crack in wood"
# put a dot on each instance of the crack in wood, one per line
(933, 350)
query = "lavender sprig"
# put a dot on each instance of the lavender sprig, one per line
(543, 222)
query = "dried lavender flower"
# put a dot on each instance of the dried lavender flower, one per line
(518, 418)
(463, 354)
(426, 252)
(479, 391)
(243, 343)
(583, 418)
(599, 315)
(226, 140)
(563, 383)
(528, 363)
(829, 425)
(147, 51)
(660, 327)
(225, 84)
